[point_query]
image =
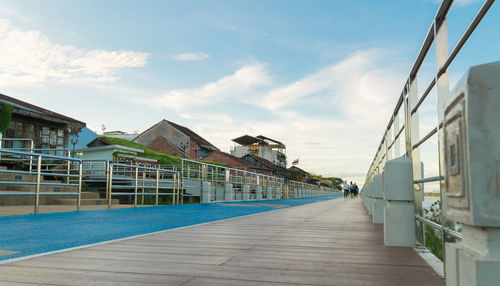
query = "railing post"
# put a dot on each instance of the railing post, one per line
(80, 175)
(246, 193)
(110, 182)
(157, 187)
(38, 179)
(472, 164)
(399, 217)
(31, 151)
(136, 183)
(142, 189)
(378, 200)
(174, 189)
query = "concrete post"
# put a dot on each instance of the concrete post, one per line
(278, 192)
(229, 192)
(472, 164)
(378, 200)
(207, 192)
(369, 198)
(269, 194)
(246, 193)
(258, 193)
(399, 214)
(295, 193)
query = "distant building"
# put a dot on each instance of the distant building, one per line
(236, 163)
(102, 149)
(120, 134)
(47, 129)
(173, 139)
(297, 174)
(261, 146)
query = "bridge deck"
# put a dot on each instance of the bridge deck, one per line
(325, 243)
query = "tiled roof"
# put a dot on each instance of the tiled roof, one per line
(33, 108)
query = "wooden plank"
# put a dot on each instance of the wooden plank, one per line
(326, 243)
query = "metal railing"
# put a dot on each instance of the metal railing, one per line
(144, 181)
(409, 103)
(73, 177)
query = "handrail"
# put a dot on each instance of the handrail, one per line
(409, 104)
(39, 157)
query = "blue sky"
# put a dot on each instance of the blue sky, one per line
(321, 76)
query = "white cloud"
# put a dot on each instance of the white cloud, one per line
(27, 57)
(361, 92)
(463, 3)
(191, 57)
(243, 81)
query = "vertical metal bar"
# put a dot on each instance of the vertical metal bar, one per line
(142, 190)
(38, 177)
(136, 182)
(415, 156)
(110, 187)
(107, 179)
(68, 169)
(157, 186)
(397, 141)
(442, 89)
(80, 175)
(174, 190)
(31, 151)
(179, 190)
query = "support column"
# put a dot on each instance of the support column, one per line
(399, 216)
(229, 192)
(246, 193)
(207, 192)
(378, 200)
(258, 193)
(278, 192)
(472, 165)
(269, 194)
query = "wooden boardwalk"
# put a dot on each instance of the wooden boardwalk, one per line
(326, 243)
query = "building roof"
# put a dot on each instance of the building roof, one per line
(194, 136)
(36, 109)
(263, 161)
(237, 159)
(279, 144)
(297, 170)
(248, 140)
(186, 131)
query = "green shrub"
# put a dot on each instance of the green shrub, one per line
(5, 117)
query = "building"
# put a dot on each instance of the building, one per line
(236, 163)
(261, 146)
(120, 134)
(297, 174)
(47, 129)
(173, 139)
(101, 149)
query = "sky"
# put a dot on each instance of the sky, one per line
(321, 76)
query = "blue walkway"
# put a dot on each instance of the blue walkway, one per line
(35, 234)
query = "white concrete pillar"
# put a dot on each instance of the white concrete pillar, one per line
(258, 193)
(269, 194)
(472, 164)
(278, 192)
(207, 192)
(295, 193)
(229, 196)
(246, 193)
(399, 214)
(378, 200)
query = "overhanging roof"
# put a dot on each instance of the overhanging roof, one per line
(248, 140)
(279, 144)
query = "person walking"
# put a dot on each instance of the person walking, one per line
(346, 189)
(351, 189)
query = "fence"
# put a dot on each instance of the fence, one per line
(13, 178)
(408, 106)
